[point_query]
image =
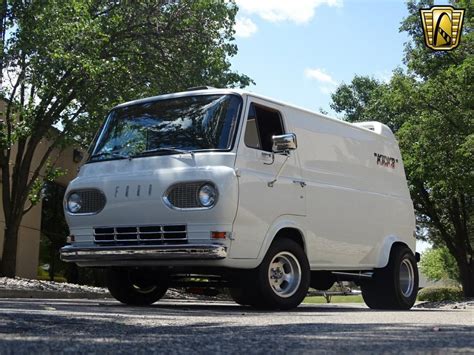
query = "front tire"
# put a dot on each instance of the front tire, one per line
(283, 276)
(136, 287)
(394, 286)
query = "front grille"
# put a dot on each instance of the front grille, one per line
(185, 195)
(162, 234)
(93, 201)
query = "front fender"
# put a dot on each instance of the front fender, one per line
(285, 221)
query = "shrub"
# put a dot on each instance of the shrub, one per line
(435, 294)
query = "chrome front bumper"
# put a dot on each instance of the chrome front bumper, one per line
(116, 255)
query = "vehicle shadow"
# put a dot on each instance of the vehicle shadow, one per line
(171, 306)
(230, 307)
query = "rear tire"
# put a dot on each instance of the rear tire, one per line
(137, 287)
(394, 286)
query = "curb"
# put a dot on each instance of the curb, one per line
(51, 294)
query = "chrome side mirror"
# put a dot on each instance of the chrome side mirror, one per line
(284, 143)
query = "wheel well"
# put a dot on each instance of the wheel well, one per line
(291, 233)
(398, 245)
(395, 246)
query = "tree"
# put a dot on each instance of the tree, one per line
(439, 264)
(65, 63)
(353, 98)
(431, 108)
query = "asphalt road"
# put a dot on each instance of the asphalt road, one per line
(84, 326)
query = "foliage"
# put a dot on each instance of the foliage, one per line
(63, 64)
(354, 98)
(436, 294)
(438, 264)
(44, 276)
(430, 106)
(51, 173)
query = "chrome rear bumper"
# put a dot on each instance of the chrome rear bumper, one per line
(105, 255)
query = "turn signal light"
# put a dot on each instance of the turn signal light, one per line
(218, 235)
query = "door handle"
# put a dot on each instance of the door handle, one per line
(302, 183)
(268, 158)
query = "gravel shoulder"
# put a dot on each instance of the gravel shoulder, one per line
(467, 304)
(25, 288)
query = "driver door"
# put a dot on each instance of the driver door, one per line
(260, 204)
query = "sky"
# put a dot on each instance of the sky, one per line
(299, 51)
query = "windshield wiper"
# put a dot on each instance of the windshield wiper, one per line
(163, 149)
(112, 154)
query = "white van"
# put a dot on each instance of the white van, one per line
(228, 188)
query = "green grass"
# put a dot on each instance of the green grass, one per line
(335, 299)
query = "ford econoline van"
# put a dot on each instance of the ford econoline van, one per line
(226, 188)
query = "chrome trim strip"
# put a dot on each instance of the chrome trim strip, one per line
(72, 253)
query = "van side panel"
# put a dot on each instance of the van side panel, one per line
(354, 199)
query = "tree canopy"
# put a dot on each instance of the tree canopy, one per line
(430, 106)
(439, 264)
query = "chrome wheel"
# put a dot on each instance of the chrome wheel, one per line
(144, 289)
(284, 274)
(407, 278)
(141, 284)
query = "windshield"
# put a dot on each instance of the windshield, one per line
(185, 124)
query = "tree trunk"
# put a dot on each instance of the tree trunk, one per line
(10, 246)
(466, 271)
(51, 263)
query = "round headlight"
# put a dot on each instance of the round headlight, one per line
(207, 195)
(74, 203)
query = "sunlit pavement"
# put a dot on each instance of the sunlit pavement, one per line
(38, 326)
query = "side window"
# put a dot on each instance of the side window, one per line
(262, 124)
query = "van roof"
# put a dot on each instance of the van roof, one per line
(374, 127)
